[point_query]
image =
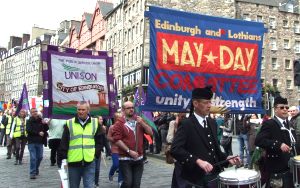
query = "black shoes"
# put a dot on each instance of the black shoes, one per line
(52, 164)
(32, 177)
(8, 157)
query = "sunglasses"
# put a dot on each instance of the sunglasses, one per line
(282, 107)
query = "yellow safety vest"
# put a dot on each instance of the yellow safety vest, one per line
(7, 130)
(17, 131)
(82, 142)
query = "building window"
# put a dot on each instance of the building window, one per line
(285, 23)
(297, 27)
(137, 54)
(138, 76)
(275, 83)
(259, 18)
(129, 36)
(246, 17)
(133, 57)
(273, 44)
(126, 81)
(263, 63)
(125, 61)
(287, 64)
(141, 52)
(112, 41)
(119, 82)
(272, 23)
(129, 59)
(133, 9)
(297, 46)
(132, 79)
(133, 32)
(141, 26)
(125, 38)
(274, 63)
(289, 84)
(119, 59)
(286, 43)
(129, 13)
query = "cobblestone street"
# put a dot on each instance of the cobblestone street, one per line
(157, 174)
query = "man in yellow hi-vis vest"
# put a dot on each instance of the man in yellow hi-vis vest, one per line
(20, 135)
(81, 142)
(9, 117)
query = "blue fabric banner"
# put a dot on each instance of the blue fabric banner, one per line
(189, 50)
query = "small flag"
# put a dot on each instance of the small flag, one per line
(23, 102)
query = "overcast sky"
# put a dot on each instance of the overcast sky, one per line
(19, 16)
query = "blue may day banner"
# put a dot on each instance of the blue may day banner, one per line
(70, 77)
(23, 101)
(189, 50)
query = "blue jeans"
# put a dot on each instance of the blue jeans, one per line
(87, 173)
(244, 145)
(132, 172)
(115, 166)
(36, 156)
(97, 170)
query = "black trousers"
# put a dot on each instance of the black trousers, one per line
(132, 173)
(54, 145)
(20, 144)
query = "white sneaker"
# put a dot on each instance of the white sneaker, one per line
(119, 184)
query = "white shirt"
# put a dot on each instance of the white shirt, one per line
(200, 119)
(281, 120)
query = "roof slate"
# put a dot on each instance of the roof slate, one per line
(105, 7)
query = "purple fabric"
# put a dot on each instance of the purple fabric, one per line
(23, 101)
(47, 76)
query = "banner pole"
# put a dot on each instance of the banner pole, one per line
(143, 53)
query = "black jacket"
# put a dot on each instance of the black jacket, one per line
(191, 143)
(33, 128)
(270, 137)
(64, 144)
(4, 120)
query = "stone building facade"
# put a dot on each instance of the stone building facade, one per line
(124, 38)
(22, 67)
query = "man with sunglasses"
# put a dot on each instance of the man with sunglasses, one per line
(276, 138)
(195, 145)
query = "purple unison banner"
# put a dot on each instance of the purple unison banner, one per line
(189, 50)
(70, 76)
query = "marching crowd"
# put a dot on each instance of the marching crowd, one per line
(192, 142)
